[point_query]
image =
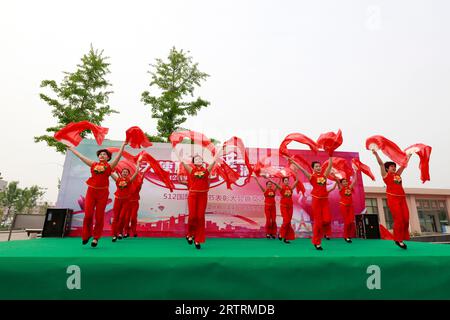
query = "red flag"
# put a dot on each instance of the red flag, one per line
(330, 141)
(70, 134)
(424, 153)
(137, 138)
(389, 148)
(300, 138)
(358, 165)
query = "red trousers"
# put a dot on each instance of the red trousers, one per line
(95, 205)
(348, 214)
(270, 210)
(286, 230)
(119, 215)
(400, 215)
(131, 217)
(197, 202)
(322, 219)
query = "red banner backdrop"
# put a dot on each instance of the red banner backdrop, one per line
(230, 213)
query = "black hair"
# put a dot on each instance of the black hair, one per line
(341, 180)
(105, 151)
(388, 164)
(285, 178)
(125, 169)
(267, 182)
(314, 163)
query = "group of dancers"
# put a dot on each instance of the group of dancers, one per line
(126, 202)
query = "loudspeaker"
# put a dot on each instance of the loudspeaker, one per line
(367, 226)
(57, 223)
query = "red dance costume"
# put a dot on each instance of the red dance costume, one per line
(96, 200)
(197, 200)
(320, 208)
(133, 208)
(396, 201)
(287, 209)
(121, 204)
(347, 211)
(270, 211)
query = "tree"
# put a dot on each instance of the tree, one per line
(28, 199)
(82, 95)
(9, 198)
(176, 80)
(15, 199)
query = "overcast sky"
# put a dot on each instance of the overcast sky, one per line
(277, 67)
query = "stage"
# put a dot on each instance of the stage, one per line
(168, 268)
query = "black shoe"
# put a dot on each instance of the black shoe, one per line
(197, 246)
(94, 244)
(273, 237)
(120, 237)
(268, 236)
(189, 241)
(348, 240)
(126, 236)
(286, 241)
(403, 245)
(135, 236)
(280, 238)
(318, 247)
(327, 237)
(85, 241)
(114, 239)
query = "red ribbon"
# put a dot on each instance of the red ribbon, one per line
(70, 134)
(137, 138)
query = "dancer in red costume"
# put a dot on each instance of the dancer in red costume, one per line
(396, 198)
(133, 208)
(346, 206)
(198, 185)
(97, 192)
(320, 206)
(122, 200)
(270, 209)
(287, 233)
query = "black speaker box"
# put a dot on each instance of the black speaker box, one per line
(57, 223)
(367, 226)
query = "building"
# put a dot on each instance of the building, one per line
(428, 208)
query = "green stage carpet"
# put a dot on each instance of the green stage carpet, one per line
(168, 268)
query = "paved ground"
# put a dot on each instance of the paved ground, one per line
(17, 235)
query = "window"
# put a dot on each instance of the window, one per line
(371, 206)
(433, 215)
(387, 215)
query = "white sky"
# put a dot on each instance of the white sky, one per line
(277, 67)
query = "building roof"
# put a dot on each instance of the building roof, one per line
(415, 191)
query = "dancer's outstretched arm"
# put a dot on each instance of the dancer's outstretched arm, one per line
(330, 166)
(401, 169)
(355, 176)
(118, 156)
(306, 173)
(216, 158)
(185, 165)
(380, 163)
(83, 158)
(259, 184)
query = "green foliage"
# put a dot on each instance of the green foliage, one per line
(176, 80)
(82, 95)
(15, 199)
